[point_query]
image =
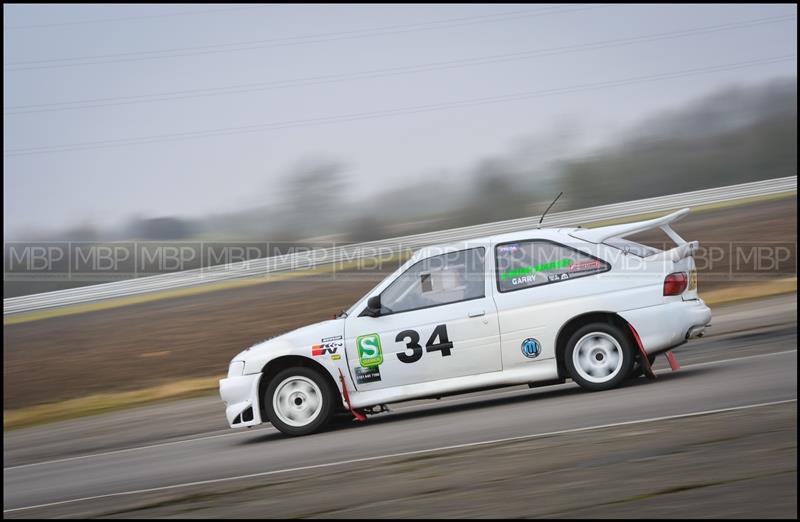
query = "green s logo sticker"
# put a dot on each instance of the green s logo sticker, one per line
(369, 350)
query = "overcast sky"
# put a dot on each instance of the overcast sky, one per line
(318, 66)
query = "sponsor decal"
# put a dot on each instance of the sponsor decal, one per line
(531, 348)
(521, 272)
(367, 375)
(426, 282)
(328, 346)
(335, 357)
(369, 350)
(532, 279)
(505, 249)
(586, 265)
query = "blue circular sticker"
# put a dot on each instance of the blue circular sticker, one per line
(531, 348)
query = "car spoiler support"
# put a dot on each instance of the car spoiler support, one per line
(682, 250)
(600, 234)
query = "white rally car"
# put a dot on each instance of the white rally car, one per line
(536, 307)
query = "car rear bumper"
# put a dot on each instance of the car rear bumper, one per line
(240, 395)
(670, 324)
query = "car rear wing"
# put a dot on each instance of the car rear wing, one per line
(682, 250)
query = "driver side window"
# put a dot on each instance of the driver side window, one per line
(437, 280)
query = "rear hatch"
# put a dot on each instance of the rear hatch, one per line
(677, 263)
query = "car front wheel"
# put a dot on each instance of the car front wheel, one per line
(599, 356)
(299, 401)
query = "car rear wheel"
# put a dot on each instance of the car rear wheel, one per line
(638, 370)
(599, 356)
(299, 401)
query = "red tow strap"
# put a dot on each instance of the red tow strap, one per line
(357, 414)
(673, 362)
(648, 370)
(645, 361)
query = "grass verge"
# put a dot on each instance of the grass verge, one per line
(750, 291)
(102, 403)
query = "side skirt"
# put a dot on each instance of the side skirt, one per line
(534, 372)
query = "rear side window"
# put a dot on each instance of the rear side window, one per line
(536, 262)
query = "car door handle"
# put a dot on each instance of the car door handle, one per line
(477, 313)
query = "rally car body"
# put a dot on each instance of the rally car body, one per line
(492, 311)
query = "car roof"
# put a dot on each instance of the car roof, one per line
(556, 234)
(561, 235)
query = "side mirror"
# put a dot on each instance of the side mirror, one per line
(373, 308)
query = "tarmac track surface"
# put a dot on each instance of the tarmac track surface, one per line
(717, 438)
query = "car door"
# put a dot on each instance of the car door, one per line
(438, 320)
(541, 284)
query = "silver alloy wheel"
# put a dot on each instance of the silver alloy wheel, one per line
(597, 357)
(297, 401)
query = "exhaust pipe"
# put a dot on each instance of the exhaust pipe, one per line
(695, 331)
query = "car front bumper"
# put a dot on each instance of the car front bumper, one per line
(670, 324)
(240, 395)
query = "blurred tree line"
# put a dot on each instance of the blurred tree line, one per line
(734, 135)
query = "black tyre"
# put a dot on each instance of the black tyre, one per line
(638, 370)
(599, 356)
(299, 401)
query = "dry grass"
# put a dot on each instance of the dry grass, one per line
(105, 402)
(750, 291)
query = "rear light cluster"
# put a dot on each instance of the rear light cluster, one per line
(675, 283)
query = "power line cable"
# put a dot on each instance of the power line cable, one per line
(285, 41)
(128, 18)
(389, 112)
(377, 73)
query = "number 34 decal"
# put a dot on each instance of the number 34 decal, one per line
(440, 332)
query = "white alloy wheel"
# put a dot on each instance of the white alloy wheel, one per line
(297, 401)
(597, 357)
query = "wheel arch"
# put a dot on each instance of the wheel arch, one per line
(571, 326)
(278, 364)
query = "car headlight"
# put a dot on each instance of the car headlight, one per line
(236, 369)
